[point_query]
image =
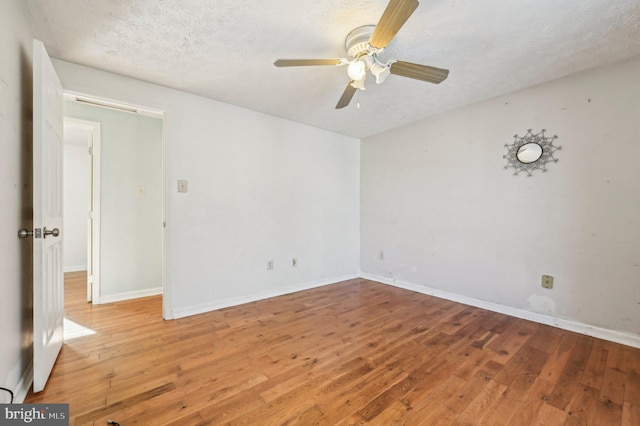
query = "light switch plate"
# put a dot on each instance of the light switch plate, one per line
(183, 185)
(547, 281)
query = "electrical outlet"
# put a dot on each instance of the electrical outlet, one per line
(381, 255)
(547, 281)
(269, 265)
(294, 262)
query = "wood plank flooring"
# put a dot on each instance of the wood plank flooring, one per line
(355, 352)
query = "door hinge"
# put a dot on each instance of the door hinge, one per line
(90, 214)
(90, 150)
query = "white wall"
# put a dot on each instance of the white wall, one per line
(130, 223)
(260, 188)
(15, 192)
(76, 204)
(437, 200)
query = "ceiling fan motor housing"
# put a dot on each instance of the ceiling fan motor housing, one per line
(357, 42)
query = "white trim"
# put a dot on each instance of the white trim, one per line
(110, 298)
(616, 336)
(23, 386)
(208, 307)
(96, 211)
(167, 293)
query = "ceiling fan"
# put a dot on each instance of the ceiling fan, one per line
(363, 45)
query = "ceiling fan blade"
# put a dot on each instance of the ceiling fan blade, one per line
(419, 72)
(392, 19)
(306, 62)
(346, 96)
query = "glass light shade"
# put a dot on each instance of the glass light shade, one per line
(357, 70)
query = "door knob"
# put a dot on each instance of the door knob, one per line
(24, 233)
(38, 233)
(53, 232)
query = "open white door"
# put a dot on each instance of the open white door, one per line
(48, 276)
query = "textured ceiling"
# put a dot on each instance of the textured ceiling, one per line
(225, 49)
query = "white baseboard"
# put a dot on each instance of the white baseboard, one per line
(110, 298)
(220, 304)
(616, 336)
(23, 386)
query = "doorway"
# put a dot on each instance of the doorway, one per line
(126, 219)
(82, 201)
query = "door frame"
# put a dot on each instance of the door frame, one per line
(93, 210)
(150, 112)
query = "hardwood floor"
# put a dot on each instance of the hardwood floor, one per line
(352, 352)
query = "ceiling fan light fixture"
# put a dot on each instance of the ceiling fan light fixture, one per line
(380, 70)
(357, 70)
(358, 84)
(365, 43)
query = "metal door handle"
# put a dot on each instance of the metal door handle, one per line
(53, 232)
(24, 233)
(38, 233)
